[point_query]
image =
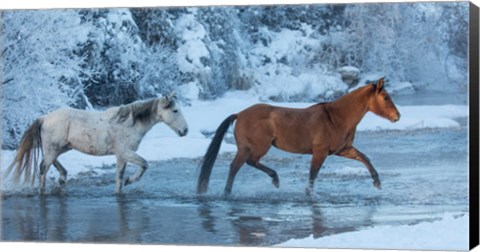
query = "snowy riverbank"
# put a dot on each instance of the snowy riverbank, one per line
(449, 233)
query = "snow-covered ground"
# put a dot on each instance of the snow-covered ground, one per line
(450, 233)
(204, 116)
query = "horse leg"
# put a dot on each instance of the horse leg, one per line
(63, 173)
(51, 152)
(352, 153)
(44, 166)
(43, 170)
(270, 172)
(121, 165)
(142, 164)
(261, 147)
(238, 161)
(317, 160)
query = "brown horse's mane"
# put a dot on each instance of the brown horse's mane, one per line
(348, 95)
(370, 87)
(141, 111)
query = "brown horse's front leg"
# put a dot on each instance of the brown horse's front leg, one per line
(355, 154)
(317, 160)
(270, 172)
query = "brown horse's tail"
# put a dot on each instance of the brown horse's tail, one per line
(212, 152)
(28, 152)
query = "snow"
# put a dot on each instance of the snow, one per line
(417, 117)
(449, 233)
(189, 91)
(161, 143)
(281, 71)
(404, 87)
(349, 72)
(193, 48)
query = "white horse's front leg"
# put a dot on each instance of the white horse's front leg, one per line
(142, 163)
(63, 173)
(121, 164)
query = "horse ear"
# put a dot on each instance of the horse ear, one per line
(168, 101)
(379, 84)
(173, 95)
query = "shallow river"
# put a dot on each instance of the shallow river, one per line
(424, 174)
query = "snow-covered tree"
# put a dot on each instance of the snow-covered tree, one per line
(224, 42)
(156, 25)
(114, 56)
(41, 68)
(105, 57)
(408, 41)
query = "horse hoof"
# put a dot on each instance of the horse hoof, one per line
(308, 192)
(127, 182)
(377, 184)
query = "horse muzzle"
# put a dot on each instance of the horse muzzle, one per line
(395, 118)
(182, 132)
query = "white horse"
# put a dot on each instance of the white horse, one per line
(116, 131)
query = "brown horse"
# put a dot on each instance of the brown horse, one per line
(322, 129)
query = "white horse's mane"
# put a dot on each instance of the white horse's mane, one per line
(141, 111)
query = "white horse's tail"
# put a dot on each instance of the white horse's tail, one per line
(28, 152)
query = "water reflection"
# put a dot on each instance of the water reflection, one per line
(37, 218)
(319, 228)
(126, 225)
(66, 219)
(124, 229)
(268, 223)
(206, 215)
(54, 219)
(25, 222)
(251, 229)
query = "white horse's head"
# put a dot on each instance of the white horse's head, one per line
(170, 113)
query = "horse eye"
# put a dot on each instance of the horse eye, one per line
(175, 111)
(385, 98)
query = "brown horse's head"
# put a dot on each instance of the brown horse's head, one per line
(381, 103)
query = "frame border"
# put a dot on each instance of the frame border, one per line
(474, 124)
